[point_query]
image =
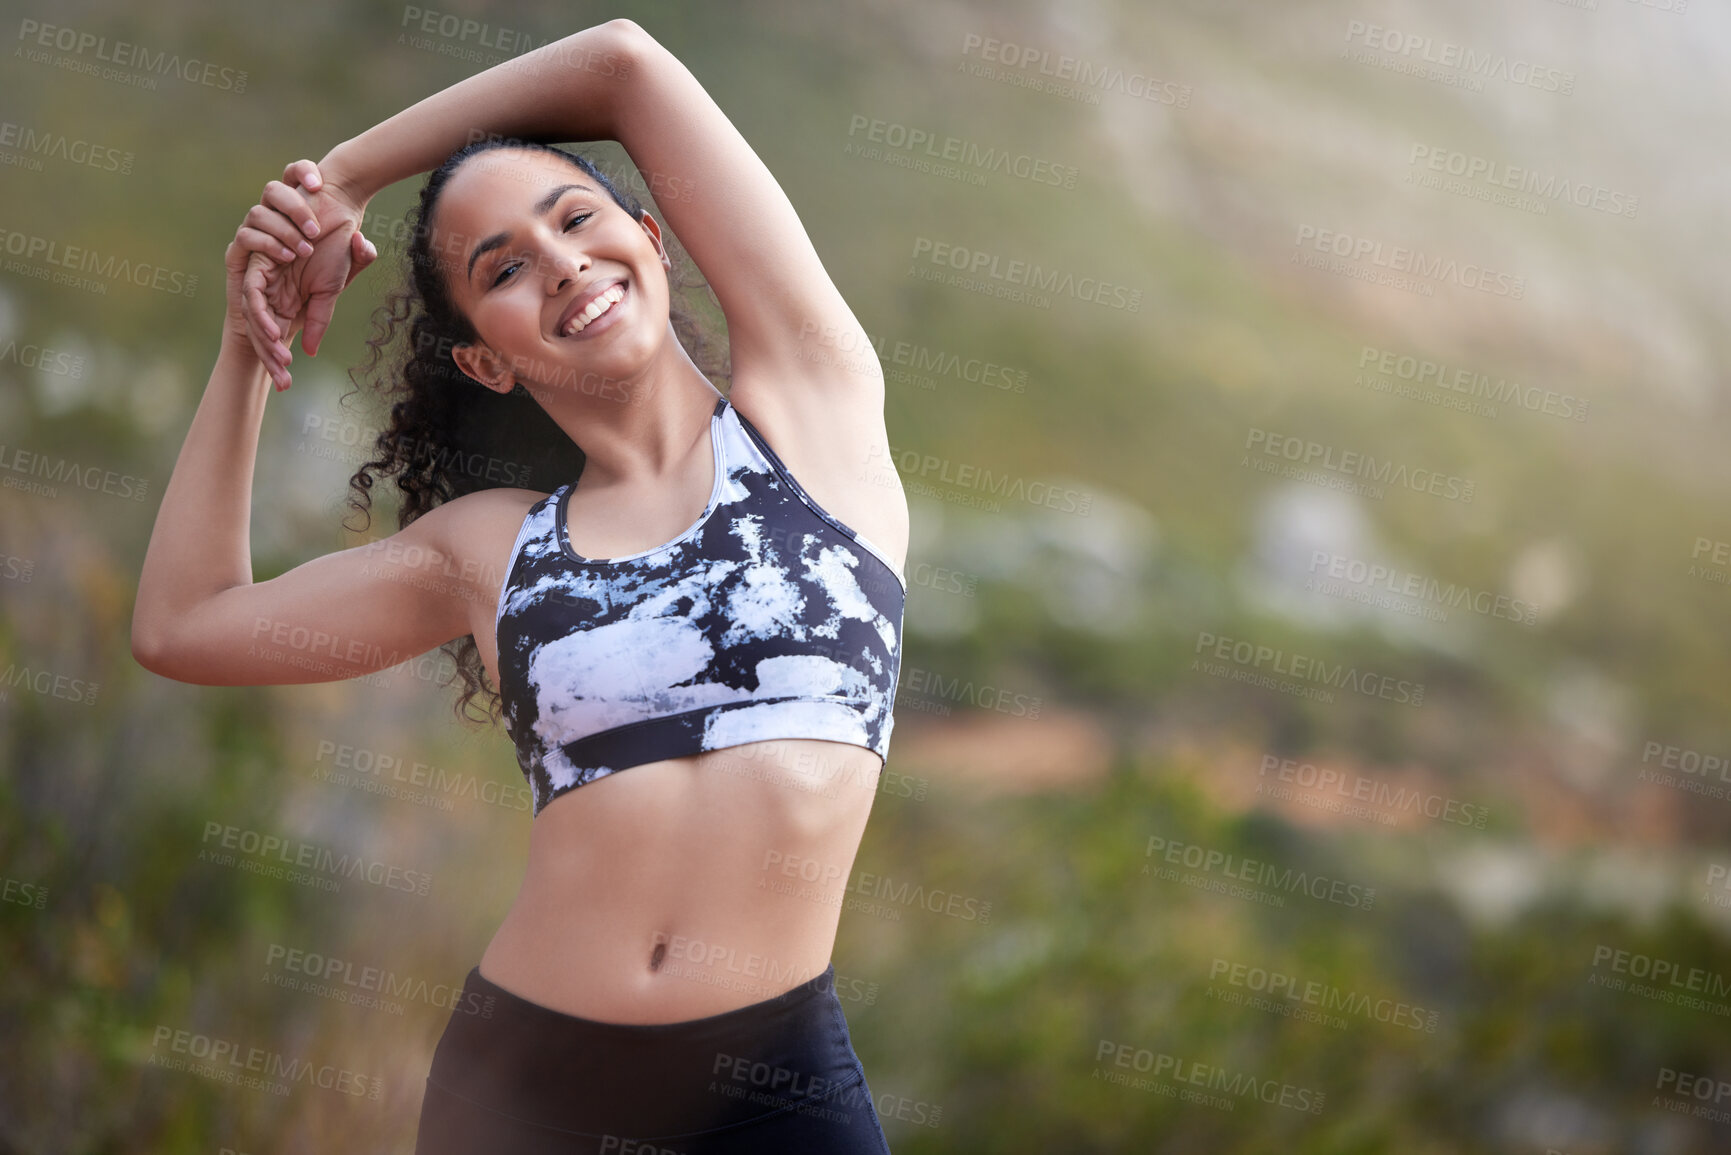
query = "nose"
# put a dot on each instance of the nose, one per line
(563, 266)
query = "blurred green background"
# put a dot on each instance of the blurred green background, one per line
(1546, 963)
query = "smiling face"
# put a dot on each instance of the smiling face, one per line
(560, 284)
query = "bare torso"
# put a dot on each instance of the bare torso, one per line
(683, 888)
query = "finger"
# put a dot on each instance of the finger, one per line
(272, 351)
(253, 333)
(361, 254)
(256, 289)
(305, 174)
(287, 233)
(277, 369)
(281, 376)
(234, 258)
(292, 203)
(259, 314)
(267, 244)
(266, 356)
(259, 352)
(320, 306)
(256, 282)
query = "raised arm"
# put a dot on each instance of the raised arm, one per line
(803, 368)
(568, 90)
(200, 617)
(614, 81)
(743, 232)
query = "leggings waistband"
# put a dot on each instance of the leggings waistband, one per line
(543, 1067)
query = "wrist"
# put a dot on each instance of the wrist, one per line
(343, 176)
(236, 354)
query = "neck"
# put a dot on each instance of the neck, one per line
(639, 428)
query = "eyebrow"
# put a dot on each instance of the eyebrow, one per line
(498, 240)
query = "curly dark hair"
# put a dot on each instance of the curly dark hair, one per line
(447, 435)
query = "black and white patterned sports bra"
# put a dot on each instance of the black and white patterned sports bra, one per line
(766, 619)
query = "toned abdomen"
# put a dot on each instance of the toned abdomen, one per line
(683, 888)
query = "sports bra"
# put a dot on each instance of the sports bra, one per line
(766, 619)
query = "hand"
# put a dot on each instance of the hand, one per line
(278, 280)
(268, 301)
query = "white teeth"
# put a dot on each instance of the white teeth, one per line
(596, 307)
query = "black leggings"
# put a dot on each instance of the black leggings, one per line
(512, 1077)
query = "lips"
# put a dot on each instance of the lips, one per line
(581, 312)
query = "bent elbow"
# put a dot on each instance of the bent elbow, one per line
(150, 649)
(146, 653)
(625, 27)
(629, 38)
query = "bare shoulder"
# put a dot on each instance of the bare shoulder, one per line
(473, 534)
(488, 504)
(477, 532)
(479, 528)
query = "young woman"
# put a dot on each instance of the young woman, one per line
(695, 634)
